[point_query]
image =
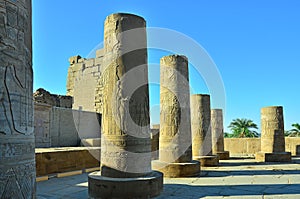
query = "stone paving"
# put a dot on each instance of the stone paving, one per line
(235, 178)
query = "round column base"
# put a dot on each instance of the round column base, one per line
(223, 155)
(208, 161)
(177, 170)
(101, 187)
(273, 157)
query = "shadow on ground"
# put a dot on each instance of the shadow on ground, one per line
(192, 191)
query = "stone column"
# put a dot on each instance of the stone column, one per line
(125, 140)
(217, 132)
(175, 150)
(17, 157)
(201, 130)
(272, 136)
(155, 141)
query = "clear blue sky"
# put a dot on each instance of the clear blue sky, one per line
(255, 45)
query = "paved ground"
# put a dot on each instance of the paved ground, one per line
(235, 178)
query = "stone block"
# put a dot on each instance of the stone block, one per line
(273, 157)
(176, 170)
(147, 186)
(223, 155)
(208, 161)
(60, 160)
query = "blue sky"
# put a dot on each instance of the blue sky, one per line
(254, 44)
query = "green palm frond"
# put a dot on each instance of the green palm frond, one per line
(243, 128)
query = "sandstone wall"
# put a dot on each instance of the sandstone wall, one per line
(83, 76)
(62, 127)
(250, 146)
(45, 97)
(59, 160)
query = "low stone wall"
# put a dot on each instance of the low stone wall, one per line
(63, 127)
(249, 146)
(59, 160)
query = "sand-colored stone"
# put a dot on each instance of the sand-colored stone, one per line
(125, 141)
(217, 132)
(175, 139)
(45, 97)
(250, 146)
(246, 147)
(272, 136)
(17, 164)
(83, 79)
(63, 127)
(51, 161)
(201, 130)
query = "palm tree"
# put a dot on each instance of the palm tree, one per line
(295, 132)
(227, 135)
(242, 128)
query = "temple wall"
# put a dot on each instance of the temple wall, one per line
(250, 146)
(63, 127)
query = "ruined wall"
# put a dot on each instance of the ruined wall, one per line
(43, 96)
(83, 77)
(62, 127)
(250, 146)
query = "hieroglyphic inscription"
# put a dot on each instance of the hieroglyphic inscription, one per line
(175, 129)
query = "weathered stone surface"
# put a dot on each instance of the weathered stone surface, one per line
(155, 141)
(82, 82)
(58, 160)
(45, 97)
(201, 130)
(273, 157)
(242, 146)
(125, 139)
(208, 161)
(17, 163)
(126, 188)
(63, 127)
(175, 139)
(217, 131)
(42, 119)
(272, 135)
(251, 146)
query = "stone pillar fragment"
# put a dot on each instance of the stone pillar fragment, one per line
(125, 170)
(272, 136)
(217, 131)
(155, 141)
(201, 130)
(175, 140)
(17, 156)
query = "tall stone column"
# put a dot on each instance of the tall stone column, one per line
(125, 140)
(201, 130)
(17, 156)
(272, 136)
(217, 131)
(175, 139)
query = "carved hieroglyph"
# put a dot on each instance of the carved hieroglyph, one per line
(201, 130)
(272, 129)
(125, 141)
(125, 170)
(17, 165)
(175, 123)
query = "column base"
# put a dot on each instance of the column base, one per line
(273, 157)
(208, 161)
(177, 170)
(101, 187)
(224, 155)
